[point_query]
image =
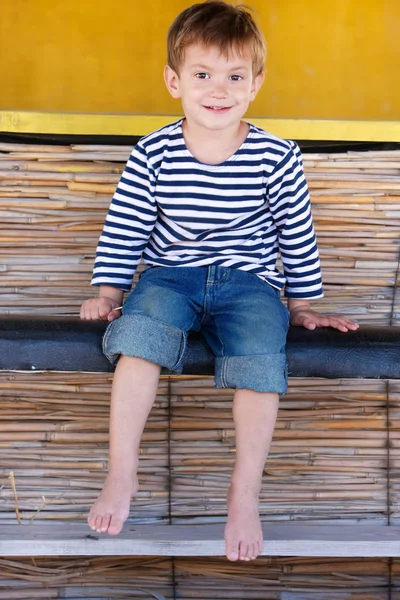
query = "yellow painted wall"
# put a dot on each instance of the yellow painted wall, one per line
(327, 58)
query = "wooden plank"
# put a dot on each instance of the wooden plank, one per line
(160, 539)
(112, 124)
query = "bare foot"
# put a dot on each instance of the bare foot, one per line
(243, 531)
(111, 508)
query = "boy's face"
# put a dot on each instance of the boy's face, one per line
(215, 90)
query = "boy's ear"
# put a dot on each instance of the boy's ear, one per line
(257, 83)
(172, 82)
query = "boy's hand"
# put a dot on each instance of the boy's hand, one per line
(305, 317)
(103, 308)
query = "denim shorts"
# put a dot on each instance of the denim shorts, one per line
(241, 317)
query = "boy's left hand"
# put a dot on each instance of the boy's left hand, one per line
(305, 317)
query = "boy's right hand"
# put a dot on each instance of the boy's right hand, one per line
(103, 308)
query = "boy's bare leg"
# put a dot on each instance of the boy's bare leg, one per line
(133, 392)
(254, 414)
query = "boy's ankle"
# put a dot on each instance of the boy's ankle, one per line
(121, 476)
(244, 486)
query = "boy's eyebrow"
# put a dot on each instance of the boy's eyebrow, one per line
(209, 68)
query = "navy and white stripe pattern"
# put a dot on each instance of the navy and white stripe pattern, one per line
(171, 210)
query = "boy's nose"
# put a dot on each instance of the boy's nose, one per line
(219, 92)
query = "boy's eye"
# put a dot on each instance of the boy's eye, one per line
(236, 77)
(202, 75)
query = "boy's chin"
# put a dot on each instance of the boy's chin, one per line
(215, 123)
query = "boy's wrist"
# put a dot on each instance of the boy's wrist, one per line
(106, 291)
(295, 305)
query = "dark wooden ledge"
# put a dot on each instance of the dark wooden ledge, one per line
(69, 344)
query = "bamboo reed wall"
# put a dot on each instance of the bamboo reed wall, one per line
(335, 454)
(200, 579)
(53, 200)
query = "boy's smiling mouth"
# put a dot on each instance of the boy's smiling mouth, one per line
(218, 108)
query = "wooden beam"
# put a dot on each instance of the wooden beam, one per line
(160, 539)
(12, 121)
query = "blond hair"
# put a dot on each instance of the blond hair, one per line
(215, 23)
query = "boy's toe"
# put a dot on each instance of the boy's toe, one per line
(92, 521)
(243, 551)
(256, 551)
(232, 551)
(92, 518)
(105, 523)
(97, 523)
(253, 551)
(115, 525)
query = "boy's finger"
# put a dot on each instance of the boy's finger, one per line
(114, 314)
(346, 321)
(103, 313)
(351, 324)
(98, 312)
(320, 321)
(86, 312)
(309, 323)
(343, 323)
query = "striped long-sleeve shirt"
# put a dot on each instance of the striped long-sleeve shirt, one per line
(172, 210)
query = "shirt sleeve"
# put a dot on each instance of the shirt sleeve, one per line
(129, 223)
(290, 206)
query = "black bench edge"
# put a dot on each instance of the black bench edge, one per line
(69, 344)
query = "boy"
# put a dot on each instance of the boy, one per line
(206, 202)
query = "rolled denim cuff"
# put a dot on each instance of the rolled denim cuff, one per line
(145, 337)
(261, 373)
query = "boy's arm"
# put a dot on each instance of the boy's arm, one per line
(291, 208)
(129, 223)
(128, 226)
